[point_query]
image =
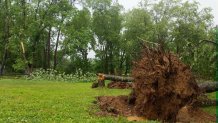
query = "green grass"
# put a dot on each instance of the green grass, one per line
(43, 101)
(32, 101)
(211, 109)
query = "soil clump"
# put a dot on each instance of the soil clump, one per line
(120, 85)
(163, 89)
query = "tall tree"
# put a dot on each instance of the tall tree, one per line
(107, 27)
(6, 33)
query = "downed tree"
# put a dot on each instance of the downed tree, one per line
(164, 89)
(209, 87)
(116, 78)
(206, 87)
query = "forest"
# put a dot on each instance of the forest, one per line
(94, 61)
(59, 35)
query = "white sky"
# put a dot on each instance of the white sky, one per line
(129, 4)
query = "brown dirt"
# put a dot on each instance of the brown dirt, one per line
(163, 86)
(111, 105)
(116, 106)
(190, 114)
(120, 85)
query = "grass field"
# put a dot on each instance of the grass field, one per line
(43, 101)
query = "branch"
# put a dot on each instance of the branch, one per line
(208, 41)
(148, 41)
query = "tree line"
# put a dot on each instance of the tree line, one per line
(59, 34)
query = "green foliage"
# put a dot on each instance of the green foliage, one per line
(176, 26)
(19, 65)
(53, 75)
(107, 25)
(59, 34)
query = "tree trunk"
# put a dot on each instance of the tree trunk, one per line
(121, 63)
(3, 60)
(56, 48)
(45, 58)
(106, 62)
(111, 58)
(85, 66)
(22, 37)
(48, 55)
(6, 37)
(205, 87)
(209, 87)
(127, 65)
(116, 78)
(28, 64)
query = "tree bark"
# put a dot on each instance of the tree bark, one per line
(127, 65)
(6, 37)
(45, 58)
(116, 78)
(28, 64)
(3, 60)
(205, 87)
(48, 48)
(121, 63)
(209, 87)
(22, 37)
(56, 48)
(106, 61)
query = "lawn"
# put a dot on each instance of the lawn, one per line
(44, 101)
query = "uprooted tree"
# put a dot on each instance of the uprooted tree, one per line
(206, 87)
(164, 89)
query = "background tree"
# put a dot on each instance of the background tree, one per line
(59, 34)
(107, 27)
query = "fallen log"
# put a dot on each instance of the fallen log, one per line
(116, 78)
(102, 77)
(209, 87)
(205, 102)
(206, 87)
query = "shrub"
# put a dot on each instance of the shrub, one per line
(53, 75)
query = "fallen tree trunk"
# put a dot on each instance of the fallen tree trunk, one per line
(209, 87)
(116, 78)
(206, 102)
(206, 87)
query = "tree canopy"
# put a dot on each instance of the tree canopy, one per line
(59, 34)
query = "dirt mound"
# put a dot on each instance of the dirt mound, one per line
(163, 86)
(190, 114)
(115, 106)
(120, 85)
(111, 105)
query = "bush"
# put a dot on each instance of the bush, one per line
(53, 75)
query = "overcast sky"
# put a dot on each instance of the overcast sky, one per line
(129, 4)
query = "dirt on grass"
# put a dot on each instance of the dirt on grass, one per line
(120, 85)
(163, 89)
(114, 106)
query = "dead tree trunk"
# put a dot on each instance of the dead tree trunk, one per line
(116, 78)
(100, 82)
(205, 87)
(209, 87)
